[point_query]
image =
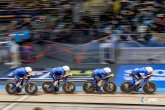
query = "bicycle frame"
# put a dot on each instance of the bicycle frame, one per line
(105, 80)
(24, 81)
(141, 83)
(95, 84)
(59, 84)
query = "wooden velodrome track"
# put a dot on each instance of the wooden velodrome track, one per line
(82, 101)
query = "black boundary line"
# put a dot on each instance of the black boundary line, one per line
(85, 103)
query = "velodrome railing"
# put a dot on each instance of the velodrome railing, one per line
(100, 50)
(141, 55)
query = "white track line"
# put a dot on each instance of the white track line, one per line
(13, 104)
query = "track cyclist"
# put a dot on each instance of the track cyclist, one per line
(22, 72)
(99, 74)
(137, 73)
(58, 73)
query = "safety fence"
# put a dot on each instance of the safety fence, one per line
(80, 36)
(142, 55)
(97, 51)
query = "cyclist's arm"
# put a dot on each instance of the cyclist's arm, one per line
(24, 77)
(61, 76)
(29, 74)
(111, 75)
(149, 75)
(66, 75)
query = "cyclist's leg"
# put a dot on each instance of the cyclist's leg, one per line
(22, 82)
(94, 83)
(55, 79)
(99, 82)
(139, 78)
(17, 82)
(55, 82)
(132, 85)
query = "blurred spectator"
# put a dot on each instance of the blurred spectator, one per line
(116, 6)
(14, 53)
(94, 7)
(11, 5)
(148, 37)
(115, 36)
(137, 16)
(27, 53)
(160, 23)
(3, 29)
(26, 34)
(17, 37)
(142, 28)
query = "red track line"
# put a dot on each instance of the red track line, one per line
(43, 53)
(80, 56)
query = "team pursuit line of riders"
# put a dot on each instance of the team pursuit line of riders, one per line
(100, 83)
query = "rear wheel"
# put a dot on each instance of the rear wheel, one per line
(46, 87)
(125, 87)
(55, 89)
(149, 88)
(68, 87)
(87, 87)
(109, 87)
(10, 88)
(31, 88)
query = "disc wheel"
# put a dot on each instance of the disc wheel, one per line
(149, 88)
(31, 88)
(87, 87)
(10, 88)
(125, 87)
(46, 87)
(109, 87)
(68, 87)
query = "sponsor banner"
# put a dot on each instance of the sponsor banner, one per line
(42, 73)
(122, 74)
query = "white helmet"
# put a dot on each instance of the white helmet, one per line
(149, 69)
(28, 69)
(66, 68)
(107, 70)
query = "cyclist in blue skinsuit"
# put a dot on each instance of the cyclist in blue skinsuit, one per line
(99, 74)
(59, 73)
(147, 71)
(24, 73)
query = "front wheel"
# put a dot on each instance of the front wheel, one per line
(68, 87)
(125, 87)
(10, 88)
(149, 88)
(109, 87)
(31, 88)
(88, 88)
(46, 87)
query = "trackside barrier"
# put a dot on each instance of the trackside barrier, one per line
(142, 55)
(50, 79)
(123, 72)
(82, 74)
